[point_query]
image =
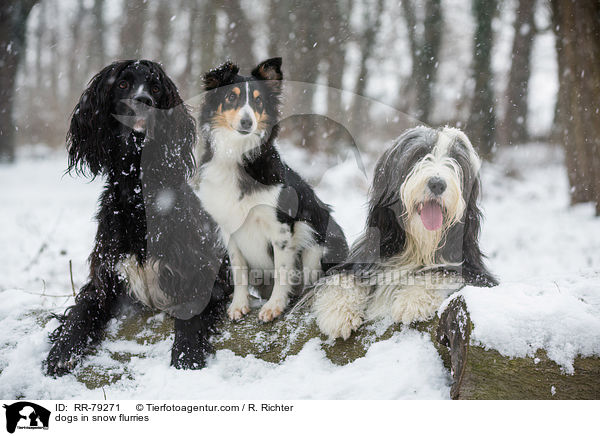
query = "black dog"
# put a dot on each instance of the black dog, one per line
(154, 240)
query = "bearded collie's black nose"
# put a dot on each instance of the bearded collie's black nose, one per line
(246, 123)
(437, 185)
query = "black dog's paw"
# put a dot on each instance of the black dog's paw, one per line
(61, 360)
(186, 355)
(67, 348)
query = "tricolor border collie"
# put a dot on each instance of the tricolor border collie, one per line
(421, 236)
(270, 219)
(154, 240)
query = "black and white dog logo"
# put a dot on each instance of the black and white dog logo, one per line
(26, 415)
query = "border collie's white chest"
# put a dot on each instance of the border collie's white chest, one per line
(249, 219)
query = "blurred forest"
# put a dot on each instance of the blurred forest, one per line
(467, 63)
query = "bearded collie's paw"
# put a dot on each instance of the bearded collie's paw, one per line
(339, 306)
(416, 304)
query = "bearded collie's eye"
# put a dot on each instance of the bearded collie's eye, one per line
(123, 84)
(155, 89)
(231, 97)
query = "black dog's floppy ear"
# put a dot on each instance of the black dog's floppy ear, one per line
(89, 135)
(176, 129)
(268, 70)
(220, 76)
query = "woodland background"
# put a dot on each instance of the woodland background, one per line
(440, 61)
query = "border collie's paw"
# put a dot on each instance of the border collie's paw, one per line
(237, 309)
(339, 306)
(418, 304)
(271, 310)
(190, 356)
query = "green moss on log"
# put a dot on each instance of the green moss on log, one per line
(490, 376)
(273, 342)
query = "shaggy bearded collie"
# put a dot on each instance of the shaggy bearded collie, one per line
(421, 236)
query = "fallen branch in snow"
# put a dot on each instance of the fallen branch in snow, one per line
(480, 373)
(477, 373)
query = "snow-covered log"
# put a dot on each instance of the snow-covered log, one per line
(477, 372)
(485, 374)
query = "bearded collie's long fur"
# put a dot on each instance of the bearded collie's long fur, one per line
(421, 237)
(270, 219)
(154, 241)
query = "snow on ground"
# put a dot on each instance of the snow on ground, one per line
(545, 253)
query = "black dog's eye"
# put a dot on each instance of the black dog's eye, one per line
(258, 101)
(231, 97)
(155, 89)
(123, 84)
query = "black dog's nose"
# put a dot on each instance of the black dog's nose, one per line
(143, 99)
(246, 123)
(437, 185)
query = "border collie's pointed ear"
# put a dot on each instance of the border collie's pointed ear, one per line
(90, 136)
(222, 75)
(268, 70)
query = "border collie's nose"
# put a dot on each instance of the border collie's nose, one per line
(246, 123)
(437, 185)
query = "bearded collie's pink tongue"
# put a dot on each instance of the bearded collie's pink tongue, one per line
(431, 215)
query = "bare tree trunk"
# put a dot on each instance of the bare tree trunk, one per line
(433, 28)
(13, 24)
(55, 58)
(372, 21)
(40, 31)
(279, 28)
(186, 80)
(302, 65)
(97, 47)
(208, 31)
(132, 30)
(515, 119)
(335, 52)
(75, 59)
(239, 41)
(163, 30)
(424, 51)
(482, 121)
(577, 25)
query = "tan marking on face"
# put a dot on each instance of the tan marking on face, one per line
(225, 119)
(262, 120)
(237, 91)
(256, 93)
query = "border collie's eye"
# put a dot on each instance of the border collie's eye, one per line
(155, 89)
(231, 97)
(258, 101)
(123, 84)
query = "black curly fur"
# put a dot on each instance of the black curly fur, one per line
(141, 169)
